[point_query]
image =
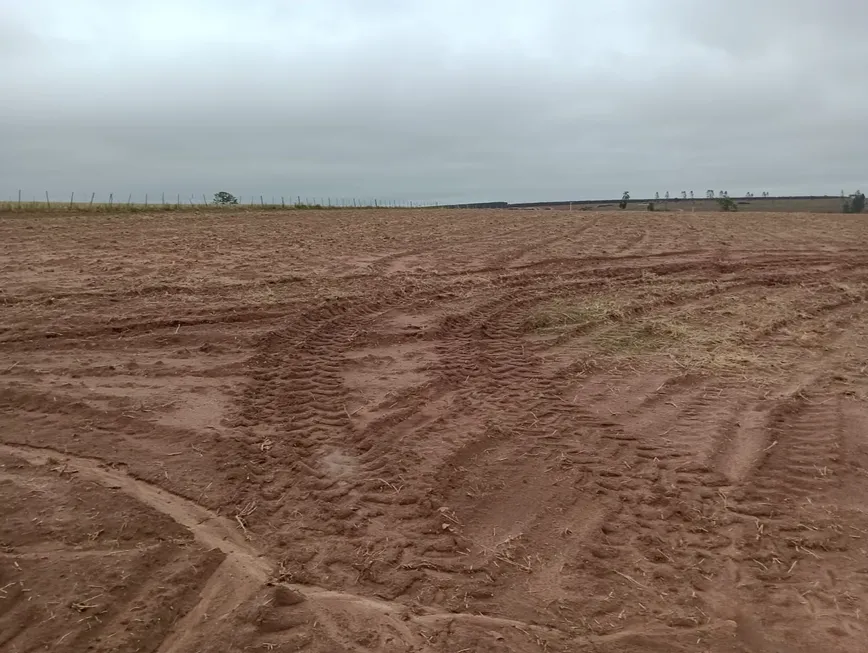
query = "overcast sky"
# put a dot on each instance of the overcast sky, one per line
(449, 100)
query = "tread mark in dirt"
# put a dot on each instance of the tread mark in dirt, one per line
(244, 571)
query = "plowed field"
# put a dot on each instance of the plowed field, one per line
(434, 431)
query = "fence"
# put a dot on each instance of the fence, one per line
(177, 202)
(114, 203)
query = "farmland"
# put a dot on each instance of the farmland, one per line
(417, 430)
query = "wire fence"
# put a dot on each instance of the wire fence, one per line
(178, 202)
(27, 202)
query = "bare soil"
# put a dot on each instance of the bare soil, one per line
(434, 431)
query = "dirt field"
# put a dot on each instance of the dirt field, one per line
(434, 431)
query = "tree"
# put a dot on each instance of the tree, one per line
(224, 199)
(691, 194)
(709, 194)
(855, 203)
(727, 204)
(624, 199)
(657, 197)
(684, 194)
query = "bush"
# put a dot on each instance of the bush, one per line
(624, 199)
(855, 203)
(223, 198)
(727, 204)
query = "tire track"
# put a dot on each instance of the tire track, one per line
(750, 441)
(244, 571)
(673, 502)
(487, 356)
(802, 459)
(484, 355)
(511, 257)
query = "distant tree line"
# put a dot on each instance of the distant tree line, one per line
(855, 203)
(723, 199)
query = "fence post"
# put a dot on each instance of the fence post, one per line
(282, 202)
(146, 199)
(92, 195)
(71, 199)
(261, 201)
(47, 201)
(179, 200)
(111, 199)
(204, 201)
(19, 198)
(130, 200)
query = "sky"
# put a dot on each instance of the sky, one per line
(432, 100)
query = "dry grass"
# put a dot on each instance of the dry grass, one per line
(186, 206)
(753, 334)
(563, 313)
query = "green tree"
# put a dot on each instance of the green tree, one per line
(727, 204)
(224, 199)
(624, 199)
(855, 203)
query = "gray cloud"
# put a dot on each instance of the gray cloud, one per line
(449, 101)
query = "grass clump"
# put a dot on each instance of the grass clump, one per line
(562, 314)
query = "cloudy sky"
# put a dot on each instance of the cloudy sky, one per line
(449, 100)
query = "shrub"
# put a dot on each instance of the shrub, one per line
(223, 198)
(624, 199)
(855, 203)
(727, 204)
